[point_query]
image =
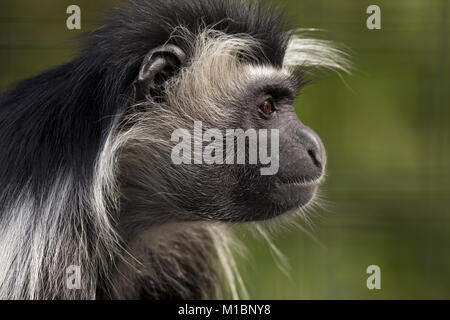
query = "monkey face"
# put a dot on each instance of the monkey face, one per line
(268, 105)
(234, 148)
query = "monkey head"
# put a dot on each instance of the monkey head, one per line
(182, 151)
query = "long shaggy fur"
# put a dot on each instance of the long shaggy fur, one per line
(72, 170)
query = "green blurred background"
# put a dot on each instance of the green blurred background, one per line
(386, 129)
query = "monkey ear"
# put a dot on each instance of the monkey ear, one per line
(158, 66)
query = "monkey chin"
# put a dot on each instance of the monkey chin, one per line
(292, 195)
(283, 198)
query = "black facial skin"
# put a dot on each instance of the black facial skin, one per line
(238, 192)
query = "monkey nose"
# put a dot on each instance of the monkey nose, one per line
(313, 146)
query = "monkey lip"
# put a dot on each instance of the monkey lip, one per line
(299, 182)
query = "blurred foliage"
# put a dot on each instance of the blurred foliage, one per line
(386, 129)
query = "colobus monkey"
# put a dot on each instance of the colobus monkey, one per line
(86, 174)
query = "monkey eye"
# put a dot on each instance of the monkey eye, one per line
(267, 107)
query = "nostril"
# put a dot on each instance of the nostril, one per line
(315, 158)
